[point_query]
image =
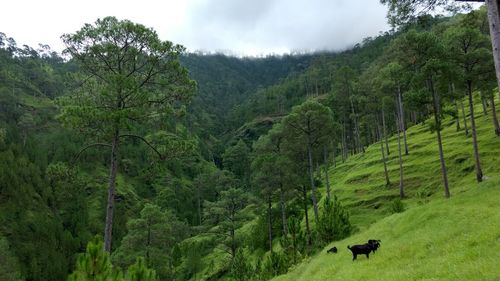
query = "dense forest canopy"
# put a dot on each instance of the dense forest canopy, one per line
(190, 166)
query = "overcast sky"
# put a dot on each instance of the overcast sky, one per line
(243, 27)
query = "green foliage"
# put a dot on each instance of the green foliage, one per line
(310, 122)
(397, 206)
(115, 90)
(237, 160)
(94, 265)
(140, 272)
(403, 11)
(129, 78)
(9, 266)
(26, 216)
(62, 203)
(469, 50)
(193, 262)
(226, 213)
(258, 238)
(241, 269)
(151, 236)
(294, 244)
(276, 263)
(334, 223)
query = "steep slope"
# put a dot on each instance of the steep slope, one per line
(454, 239)
(435, 239)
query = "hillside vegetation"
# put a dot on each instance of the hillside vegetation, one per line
(209, 167)
(435, 238)
(446, 239)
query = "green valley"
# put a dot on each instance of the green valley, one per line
(128, 157)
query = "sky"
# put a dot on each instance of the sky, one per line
(238, 27)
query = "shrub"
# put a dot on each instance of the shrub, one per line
(275, 264)
(241, 269)
(397, 206)
(295, 241)
(333, 223)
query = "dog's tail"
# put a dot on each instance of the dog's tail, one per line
(348, 247)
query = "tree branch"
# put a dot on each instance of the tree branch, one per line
(146, 142)
(87, 147)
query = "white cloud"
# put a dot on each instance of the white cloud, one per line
(242, 26)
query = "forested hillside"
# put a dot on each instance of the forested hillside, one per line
(130, 159)
(224, 83)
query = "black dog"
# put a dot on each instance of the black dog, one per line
(375, 244)
(332, 250)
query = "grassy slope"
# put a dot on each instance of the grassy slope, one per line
(436, 238)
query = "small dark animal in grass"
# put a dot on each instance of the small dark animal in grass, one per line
(375, 244)
(364, 249)
(332, 250)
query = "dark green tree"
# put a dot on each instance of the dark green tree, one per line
(129, 78)
(295, 240)
(237, 160)
(469, 52)
(272, 174)
(425, 54)
(227, 216)
(307, 127)
(404, 11)
(334, 221)
(9, 266)
(392, 76)
(151, 236)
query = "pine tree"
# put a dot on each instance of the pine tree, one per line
(94, 265)
(129, 78)
(240, 267)
(140, 272)
(334, 221)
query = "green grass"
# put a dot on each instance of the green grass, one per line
(435, 238)
(446, 239)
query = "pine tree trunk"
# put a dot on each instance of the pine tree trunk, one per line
(465, 118)
(108, 230)
(457, 115)
(437, 119)
(232, 234)
(334, 155)
(385, 133)
(311, 178)
(483, 103)
(283, 210)
(199, 204)
(357, 139)
(306, 214)
(494, 24)
(454, 101)
(148, 244)
(382, 150)
(344, 154)
(401, 182)
(270, 222)
(494, 115)
(479, 172)
(327, 180)
(402, 119)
